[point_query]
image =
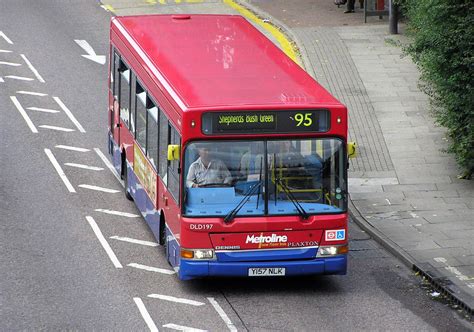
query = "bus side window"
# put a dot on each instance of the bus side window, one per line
(173, 166)
(116, 75)
(141, 116)
(163, 151)
(152, 132)
(124, 96)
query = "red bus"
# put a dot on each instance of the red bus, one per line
(235, 156)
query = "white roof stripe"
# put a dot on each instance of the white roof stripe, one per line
(150, 64)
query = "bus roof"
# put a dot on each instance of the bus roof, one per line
(218, 61)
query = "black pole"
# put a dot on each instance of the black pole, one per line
(393, 18)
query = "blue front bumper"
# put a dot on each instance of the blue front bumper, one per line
(190, 269)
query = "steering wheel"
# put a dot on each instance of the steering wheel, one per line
(214, 185)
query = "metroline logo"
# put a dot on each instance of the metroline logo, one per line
(266, 239)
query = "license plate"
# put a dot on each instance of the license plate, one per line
(266, 271)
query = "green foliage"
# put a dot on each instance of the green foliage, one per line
(443, 49)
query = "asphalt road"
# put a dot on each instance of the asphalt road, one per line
(54, 271)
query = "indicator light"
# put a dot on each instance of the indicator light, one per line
(197, 253)
(339, 120)
(332, 250)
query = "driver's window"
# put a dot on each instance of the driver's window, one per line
(209, 168)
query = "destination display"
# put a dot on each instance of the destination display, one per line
(215, 123)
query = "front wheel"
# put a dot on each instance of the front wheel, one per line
(125, 181)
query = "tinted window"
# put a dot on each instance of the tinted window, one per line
(124, 98)
(152, 132)
(173, 166)
(163, 158)
(141, 116)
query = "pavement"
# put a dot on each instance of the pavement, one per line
(404, 189)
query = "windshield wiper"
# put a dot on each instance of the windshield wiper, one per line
(293, 199)
(230, 216)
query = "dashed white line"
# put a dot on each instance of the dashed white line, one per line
(104, 242)
(23, 114)
(12, 64)
(151, 268)
(33, 69)
(182, 328)
(33, 93)
(108, 164)
(44, 110)
(60, 171)
(69, 114)
(223, 315)
(72, 148)
(4, 36)
(176, 299)
(5, 51)
(21, 78)
(118, 213)
(105, 190)
(57, 128)
(92, 168)
(146, 316)
(130, 240)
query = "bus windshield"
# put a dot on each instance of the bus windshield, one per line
(263, 178)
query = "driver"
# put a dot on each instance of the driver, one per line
(207, 170)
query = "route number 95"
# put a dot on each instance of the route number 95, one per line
(303, 119)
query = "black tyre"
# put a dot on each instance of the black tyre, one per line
(125, 181)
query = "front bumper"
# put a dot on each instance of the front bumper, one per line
(190, 269)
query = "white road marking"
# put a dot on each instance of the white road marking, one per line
(45, 110)
(33, 69)
(60, 171)
(5, 51)
(389, 203)
(176, 299)
(223, 315)
(146, 316)
(21, 78)
(72, 148)
(118, 213)
(69, 114)
(105, 190)
(130, 240)
(33, 93)
(104, 242)
(108, 164)
(92, 168)
(182, 328)
(4, 36)
(57, 128)
(150, 268)
(23, 114)
(10, 64)
(2, 80)
(91, 55)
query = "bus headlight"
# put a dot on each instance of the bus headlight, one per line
(332, 250)
(197, 253)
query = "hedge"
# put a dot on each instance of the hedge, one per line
(442, 46)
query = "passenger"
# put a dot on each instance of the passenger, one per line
(207, 171)
(251, 161)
